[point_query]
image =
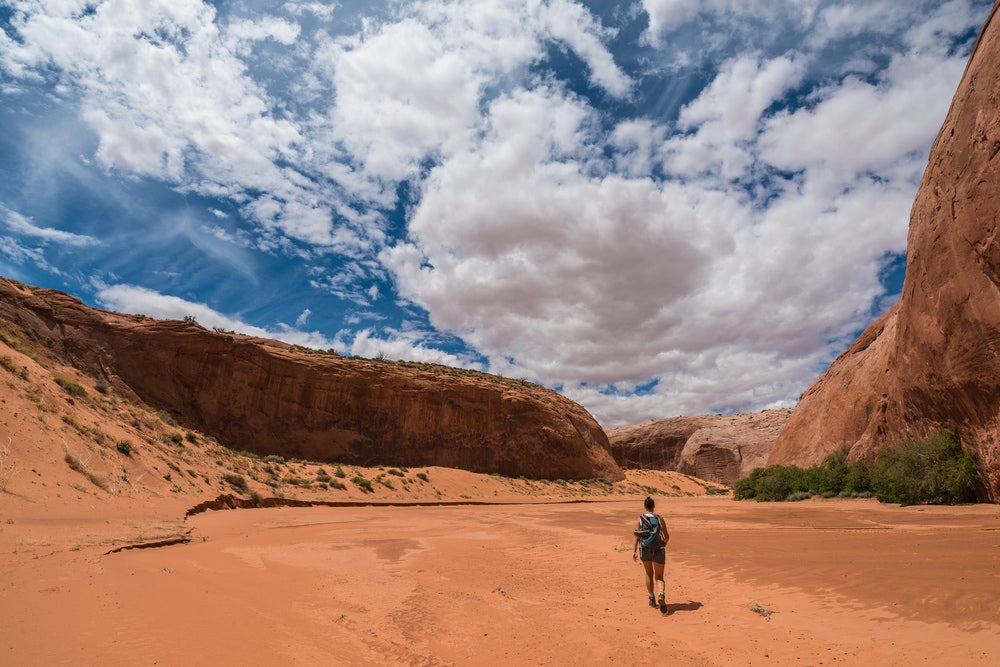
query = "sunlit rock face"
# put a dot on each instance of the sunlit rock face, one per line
(933, 360)
(268, 397)
(718, 448)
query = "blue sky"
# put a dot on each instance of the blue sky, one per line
(659, 208)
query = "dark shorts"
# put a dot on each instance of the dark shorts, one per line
(653, 554)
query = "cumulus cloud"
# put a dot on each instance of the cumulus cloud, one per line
(429, 157)
(693, 285)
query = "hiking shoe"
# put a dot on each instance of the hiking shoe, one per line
(652, 601)
(662, 601)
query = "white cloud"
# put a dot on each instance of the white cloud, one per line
(24, 227)
(695, 285)
(242, 33)
(571, 23)
(841, 132)
(398, 344)
(143, 301)
(667, 16)
(649, 264)
(21, 255)
(727, 114)
(168, 97)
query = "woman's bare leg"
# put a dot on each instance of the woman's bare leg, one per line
(657, 575)
(648, 565)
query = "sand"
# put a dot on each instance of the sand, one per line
(822, 582)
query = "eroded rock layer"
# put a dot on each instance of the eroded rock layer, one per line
(718, 448)
(933, 360)
(268, 397)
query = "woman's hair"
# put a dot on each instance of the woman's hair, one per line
(649, 504)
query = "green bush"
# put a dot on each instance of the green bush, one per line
(362, 483)
(931, 471)
(934, 471)
(772, 483)
(72, 388)
(125, 447)
(238, 482)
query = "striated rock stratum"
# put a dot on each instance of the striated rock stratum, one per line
(933, 360)
(718, 448)
(268, 397)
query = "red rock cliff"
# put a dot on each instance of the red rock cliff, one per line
(719, 448)
(932, 361)
(272, 398)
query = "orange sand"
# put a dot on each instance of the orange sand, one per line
(833, 583)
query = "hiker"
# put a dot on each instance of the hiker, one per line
(651, 539)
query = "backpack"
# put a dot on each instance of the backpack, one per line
(650, 531)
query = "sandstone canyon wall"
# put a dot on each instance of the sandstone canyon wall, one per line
(717, 448)
(268, 397)
(933, 360)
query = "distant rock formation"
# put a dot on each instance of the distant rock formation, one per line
(933, 360)
(268, 397)
(718, 448)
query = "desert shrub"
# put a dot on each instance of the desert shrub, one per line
(336, 484)
(125, 447)
(274, 458)
(934, 471)
(71, 388)
(422, 476)
(362, 483)
(8, 363)
(238, 482)
(191, 437)
(166, 418)
(102, 387)
(81, 467)
(772, 483)
(396, 472)
(339, 472)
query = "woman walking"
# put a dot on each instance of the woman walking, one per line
(651, 539)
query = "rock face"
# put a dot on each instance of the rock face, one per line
(718, 448)
(933, 360)
(272, 398)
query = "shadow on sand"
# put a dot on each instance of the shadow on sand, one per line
(670, 609)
